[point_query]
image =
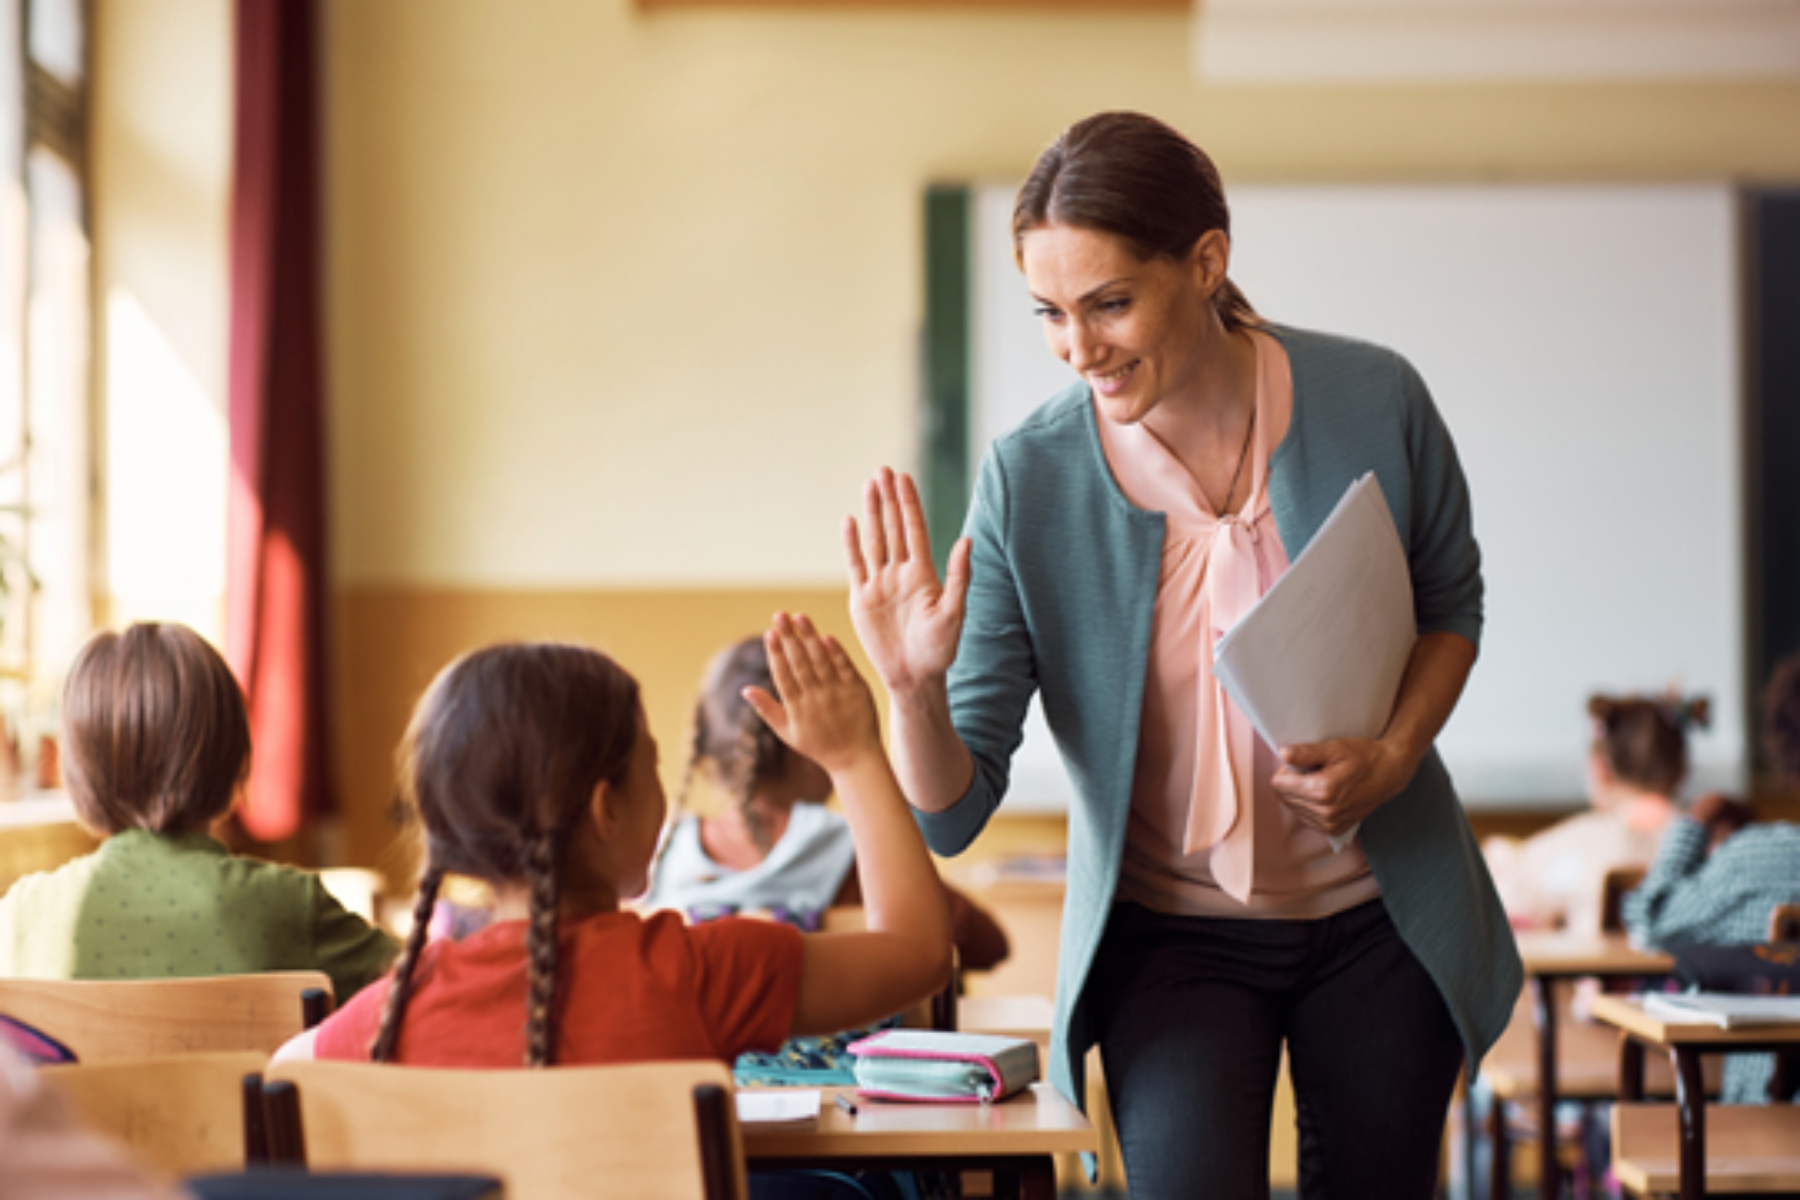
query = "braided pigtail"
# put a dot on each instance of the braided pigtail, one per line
(401, 986)
(540, 1016)
(677, 810)
(752, 759)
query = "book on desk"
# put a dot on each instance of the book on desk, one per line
(1724, 1009)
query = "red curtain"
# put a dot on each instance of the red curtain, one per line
(275, 586)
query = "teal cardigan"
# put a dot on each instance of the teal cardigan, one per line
(1061, 595)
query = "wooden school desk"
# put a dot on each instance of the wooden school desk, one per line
(1014, 1138)
(1013, 1016)
(1674, 1148)
(1550, 958)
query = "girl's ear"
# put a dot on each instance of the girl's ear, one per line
(603, 805)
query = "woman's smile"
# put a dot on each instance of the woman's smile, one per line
(1111, 383)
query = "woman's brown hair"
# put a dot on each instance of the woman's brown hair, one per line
(500, 761)
(154, 731)
(729, 734)
(1644, 739)
(1132, 176)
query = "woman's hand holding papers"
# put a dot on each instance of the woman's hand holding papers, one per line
(1332, 785)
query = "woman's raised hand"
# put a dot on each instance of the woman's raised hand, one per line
(824, 710)
(908, 621)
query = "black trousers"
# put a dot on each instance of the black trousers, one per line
(1192, 1014)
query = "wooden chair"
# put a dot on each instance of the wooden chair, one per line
(178, 1115)
(652, 1131)
(1749, 1149)
(1784, 1082)
(104, 1020)
(1613, 886)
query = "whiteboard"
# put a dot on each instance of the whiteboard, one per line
(1582, 345)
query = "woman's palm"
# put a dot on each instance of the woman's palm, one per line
(908, 621)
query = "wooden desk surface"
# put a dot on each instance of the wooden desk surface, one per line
(1037, 1121)
(1587, 1061)
(1588, 954)
(1627, 1012)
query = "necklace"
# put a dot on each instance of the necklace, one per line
(1224, 510)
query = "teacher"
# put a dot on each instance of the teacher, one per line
(1113, 536)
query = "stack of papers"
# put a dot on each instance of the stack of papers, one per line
(1723, 1009)
(1322, 654)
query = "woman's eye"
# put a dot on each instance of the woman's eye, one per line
(1117, 305)
(1047, 313)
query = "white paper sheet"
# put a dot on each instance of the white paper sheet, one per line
(778, 1106)
(1321, 655)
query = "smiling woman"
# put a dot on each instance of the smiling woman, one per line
(1114, 535)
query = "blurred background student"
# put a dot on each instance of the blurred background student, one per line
(1636, 765)
(1720, 874)
(776, 846)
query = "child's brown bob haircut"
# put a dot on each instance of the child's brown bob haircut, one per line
(154, 731)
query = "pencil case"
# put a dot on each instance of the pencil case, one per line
(919, 1064)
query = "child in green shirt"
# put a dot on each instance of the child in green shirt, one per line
(156, 746)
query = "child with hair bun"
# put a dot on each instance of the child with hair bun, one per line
(1719, 874)
(776, 847)
(1637, 762)
(533, 770)
(156, 747)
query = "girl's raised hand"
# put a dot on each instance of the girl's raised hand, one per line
(824, 709)
(908, 621)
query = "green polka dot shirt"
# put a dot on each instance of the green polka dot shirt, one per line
(148, 905)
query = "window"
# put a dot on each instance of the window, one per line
(45, 358)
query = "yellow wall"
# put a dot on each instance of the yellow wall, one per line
(624, 307)
(622, 299)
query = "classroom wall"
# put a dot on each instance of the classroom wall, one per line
(161, 160)
(623, 308)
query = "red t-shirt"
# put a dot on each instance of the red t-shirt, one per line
(629, 989)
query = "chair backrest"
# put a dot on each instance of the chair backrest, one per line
(103, 1020)
(1613, 886)
(179, 1115)
(1784, 923)
(652, 1131)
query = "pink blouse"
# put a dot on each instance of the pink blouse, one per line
(1207, 835)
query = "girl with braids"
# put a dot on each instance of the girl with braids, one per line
(1636, 765)
(777, 847)
(533, 770)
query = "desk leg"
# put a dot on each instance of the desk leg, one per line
(1544, 1017)
(1029, 1178)
(1631, 1069)
(1690, 1098)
